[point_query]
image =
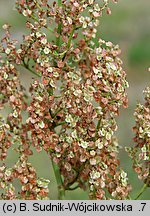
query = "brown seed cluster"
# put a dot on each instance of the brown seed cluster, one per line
(13, 132)
(74, 102)
(31, 186)
(140, 153)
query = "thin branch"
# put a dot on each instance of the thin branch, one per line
(29, 69)
(37, 4)
(52, 115)
(97, 128)
(70, 38)
(34, 18)
(60, 123)
(77, 176)
(69, 43)
(73, 188)
(59, 27)
(141, 191)
(61, 191)
(59, 33)
(129, 198)
(57, 111)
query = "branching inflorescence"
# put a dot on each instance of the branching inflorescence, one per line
(140, 153)
(75, 100)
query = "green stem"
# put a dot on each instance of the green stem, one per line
(70, 38)
(34, 18)
(129, 198)
(59, 33)
(141, 191)
(37, 4)
(52, 115)
(60, 123)
(76, 177)
(73, 188)
(61, 191)
(97, 128)
(69, 43)
(57, 111)
(29, 69)
(59, 3)
(59, 27)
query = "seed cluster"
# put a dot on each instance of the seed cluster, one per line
(13, 132)
(140, 153)
(74, 102)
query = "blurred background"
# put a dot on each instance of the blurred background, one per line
(128, 26)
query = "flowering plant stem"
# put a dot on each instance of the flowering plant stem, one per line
(27, 67)
(79, 87)
(141, 191)
(61, 191)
